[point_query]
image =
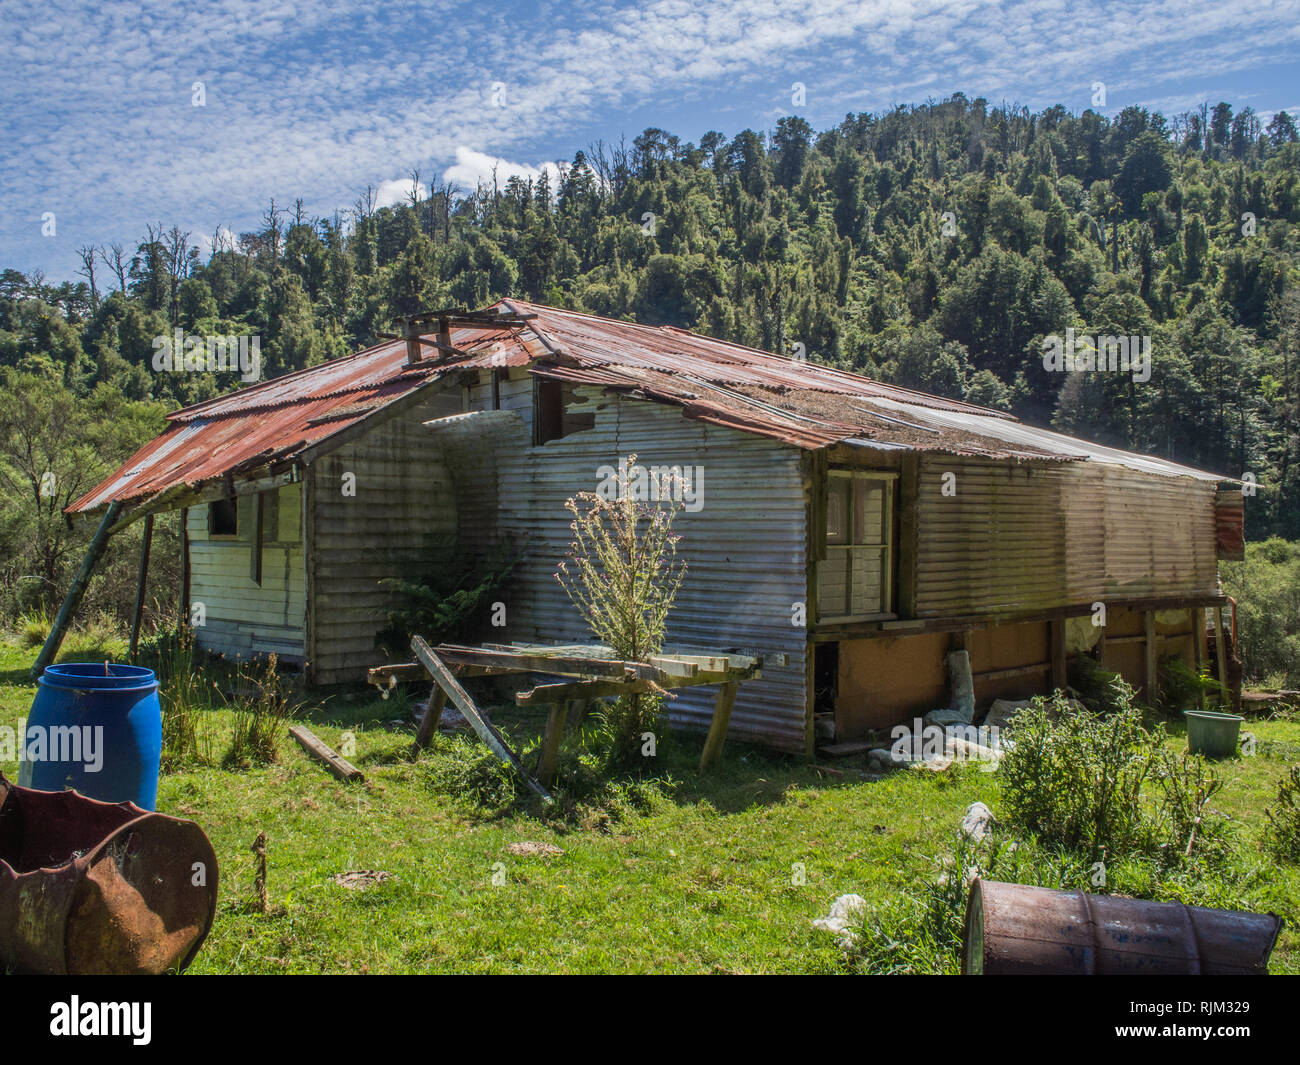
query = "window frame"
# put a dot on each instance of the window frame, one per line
(855, 543)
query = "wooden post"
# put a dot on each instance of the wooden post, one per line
(458, 695)
(1198, 650)
(1056, 634)
(718, 730)
(551, 742)
(429, 725)
(1221, 655)
(184, 600)
(1150, 678)
(72, 600)
(138, 613)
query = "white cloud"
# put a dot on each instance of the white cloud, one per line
(473, 168)
(397, 190)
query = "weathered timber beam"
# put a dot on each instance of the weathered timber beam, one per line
(325, 754)
(551, 742)
(94, 551)
(535, 663)
(496, 743)
(138, 612)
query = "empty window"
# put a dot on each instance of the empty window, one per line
(855, 577)
(552, 418)
(223, 517)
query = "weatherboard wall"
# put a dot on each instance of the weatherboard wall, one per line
(241, 618)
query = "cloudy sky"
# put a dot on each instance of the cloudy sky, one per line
(197, 114)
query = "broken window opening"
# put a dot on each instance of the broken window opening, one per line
(223, 517)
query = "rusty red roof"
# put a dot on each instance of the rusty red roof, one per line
(804, 404)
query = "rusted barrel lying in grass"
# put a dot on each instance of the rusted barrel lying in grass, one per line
(1013, 929)
(96, 887)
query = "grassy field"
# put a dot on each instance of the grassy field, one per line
(703, 880)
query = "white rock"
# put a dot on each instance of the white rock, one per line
(846, 910)
(977, 821)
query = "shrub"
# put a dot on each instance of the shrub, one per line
(447, 603)
(622, 573)
(1267, 589)
(1076, 780)
(1182, 688)
(1282, 832)
(259, 716)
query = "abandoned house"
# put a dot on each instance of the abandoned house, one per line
(851, 531)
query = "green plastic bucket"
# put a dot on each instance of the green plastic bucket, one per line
(1212, 734)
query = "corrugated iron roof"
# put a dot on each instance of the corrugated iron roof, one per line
(800, 403)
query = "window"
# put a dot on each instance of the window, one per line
(223, 517)
(855, 576)
(552, 419)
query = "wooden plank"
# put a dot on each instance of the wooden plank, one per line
(333, 761)
(1150, 645)
(443, 676)
(718, 729)
(561, 664)
(62, 620)
(137, 614)
(1056, 634)
(551, 742)
(1221, 654)
(432, 715)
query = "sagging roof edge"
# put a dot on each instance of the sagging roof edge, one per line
(290, 461)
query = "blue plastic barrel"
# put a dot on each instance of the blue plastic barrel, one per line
(95, 727)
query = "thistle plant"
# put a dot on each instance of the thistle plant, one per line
(622, 573)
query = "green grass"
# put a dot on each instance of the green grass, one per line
(701, 882)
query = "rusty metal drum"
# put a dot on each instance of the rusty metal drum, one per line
(1014, 929)
(89, 887)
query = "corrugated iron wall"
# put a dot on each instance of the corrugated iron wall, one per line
(744, 549)
(400, 522)
(1041, 535)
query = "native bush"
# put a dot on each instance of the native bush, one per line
(447, 603)
(1099, 784)
(1282, 832)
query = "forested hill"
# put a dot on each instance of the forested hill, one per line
(933, 246)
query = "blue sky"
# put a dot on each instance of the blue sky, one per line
(319, 99)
